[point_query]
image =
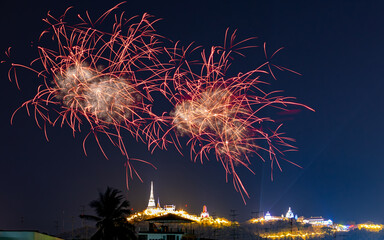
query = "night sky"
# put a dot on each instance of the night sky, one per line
(335, 45)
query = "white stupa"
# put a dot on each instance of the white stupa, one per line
(289, 213)
(267, 216)
(151, 202)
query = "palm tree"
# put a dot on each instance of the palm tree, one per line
(111, 211)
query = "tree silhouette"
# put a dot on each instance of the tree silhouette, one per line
(111, 211)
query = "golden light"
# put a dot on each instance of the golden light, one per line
(293, 235)
(370, 227)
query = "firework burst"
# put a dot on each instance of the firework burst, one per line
(104, 79)
(223, 115)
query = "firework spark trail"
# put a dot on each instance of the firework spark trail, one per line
(102, 79)
(223, 115)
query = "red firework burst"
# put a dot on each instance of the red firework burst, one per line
(104, 79)
(222, 114)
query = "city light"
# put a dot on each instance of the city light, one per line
(296, 235)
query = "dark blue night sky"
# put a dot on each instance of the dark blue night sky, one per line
(335, 45)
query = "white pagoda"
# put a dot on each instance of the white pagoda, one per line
(151, 202)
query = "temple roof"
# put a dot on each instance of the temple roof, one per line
(170, 218)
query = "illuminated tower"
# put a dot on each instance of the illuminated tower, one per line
(151, 202)
(204, 213)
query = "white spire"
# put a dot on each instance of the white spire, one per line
(151, 202)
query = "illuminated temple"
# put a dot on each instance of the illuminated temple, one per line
(317, 221)
(154, 210)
